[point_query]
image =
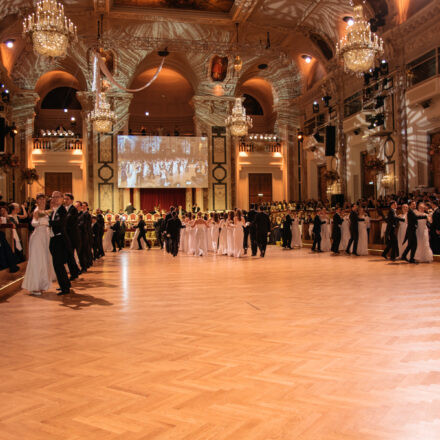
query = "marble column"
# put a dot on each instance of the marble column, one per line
(23, 115)
(210, 114)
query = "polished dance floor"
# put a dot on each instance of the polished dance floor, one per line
(293, 346)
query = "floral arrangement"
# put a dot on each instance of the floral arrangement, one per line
(331, 176)
(30, 175)
(376, 164)
(8, 161)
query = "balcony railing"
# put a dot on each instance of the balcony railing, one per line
(258, 147)
(57, 144)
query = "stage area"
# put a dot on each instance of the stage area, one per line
(292, 346)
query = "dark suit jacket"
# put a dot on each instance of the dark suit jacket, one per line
(287, 222)
(262, 222)
(317, 222)
(101, 223)
(336, 225)
(72, 228)
(116, 228)
(392, 222)
(141, 226)
(354, 220)
(174, 226)
(58, 223)
(435, 221)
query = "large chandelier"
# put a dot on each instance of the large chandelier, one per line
(102, 116)
(50, 30)
(360, 46)
(237, 121)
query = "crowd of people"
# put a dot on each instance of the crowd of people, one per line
(63, 234)
(66, 238)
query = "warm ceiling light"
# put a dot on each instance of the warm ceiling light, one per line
(349, 20)
(307, 58)
(10, 43)
(73, 119)
(147, 113)
(65, 110)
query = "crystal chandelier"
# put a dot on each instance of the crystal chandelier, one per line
(50, 30)
(102, 116)
(360, 46)
(237, 121)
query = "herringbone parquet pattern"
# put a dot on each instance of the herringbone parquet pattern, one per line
(293, 346)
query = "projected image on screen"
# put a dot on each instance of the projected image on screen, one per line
(162, 162)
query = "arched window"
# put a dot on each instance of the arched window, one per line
(252, 106)
(60, 98)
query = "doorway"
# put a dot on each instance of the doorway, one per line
(57, 182)
(260, 188)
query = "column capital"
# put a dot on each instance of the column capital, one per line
(87, 100)
(23, 105)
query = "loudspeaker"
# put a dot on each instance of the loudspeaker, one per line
(337, 199)
(330, 140)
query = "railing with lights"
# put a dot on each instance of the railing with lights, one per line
(57, 144)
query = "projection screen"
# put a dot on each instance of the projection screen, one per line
(162, 162)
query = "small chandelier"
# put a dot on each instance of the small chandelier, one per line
(50, 30)
(102, 116)
(360, 46)
(237, 121)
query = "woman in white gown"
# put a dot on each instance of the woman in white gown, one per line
(191, 235)
(39, 271)
(230, 233)
(215, 232)
(326, 233)
(424, 251)
(362, 248)
(296, 231)
(238, 234)
(200, 227)
(402, 229)
(345, 233)
(223, 236)
(184, 232)
(107, 240)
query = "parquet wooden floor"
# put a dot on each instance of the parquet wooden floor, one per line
(293, 346)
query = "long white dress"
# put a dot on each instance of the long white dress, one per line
(208, 233)
(223, 239)
(215, 231)
(107, 240)
(191, 230)
(326, 244)
(200, 248)
(230, 238)
(183, 244)
(134, 243)
(345, 233)
(296, 233)
(401, 234)
(238, 236)
(423, 252)
(39, 271)
(362, 248)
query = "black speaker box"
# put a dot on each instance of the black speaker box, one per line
(330, 140)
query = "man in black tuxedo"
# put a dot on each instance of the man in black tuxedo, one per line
(262, 223)
(251, 216)
(246, 232)
(72, 235)
(141, 227)
(58, 242)
(317, 222)
(116, 233)
(174, 225)
(101, 229)
(354, 230)
(95, 233)
(88, 228)
(287, 231)
(411, 233)
(159, 228)
(83, 237)
(168, 217)
(435, 228)
(336, 230)
(390, 233)
(195, 208)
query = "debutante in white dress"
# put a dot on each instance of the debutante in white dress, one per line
(183, 243)
(209, 237)
(362, 248)
(345, 233)
(230, 238)
(107, 240)
(401, 234)
(238, 237)
(39, 271)
(215, 232)
(223, 239)
(424, 251)
(134, 243)
(296, 233)
(326, 243)
(200, 248)
(191, 230)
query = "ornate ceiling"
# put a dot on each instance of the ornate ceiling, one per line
(193, 5)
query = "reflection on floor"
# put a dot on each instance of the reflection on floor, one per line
(293, 346)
